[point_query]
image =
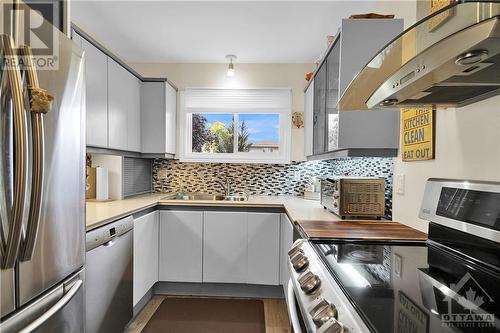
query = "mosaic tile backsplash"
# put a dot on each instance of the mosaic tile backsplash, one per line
(265, 179)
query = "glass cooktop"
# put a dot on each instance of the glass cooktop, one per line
(414, 288)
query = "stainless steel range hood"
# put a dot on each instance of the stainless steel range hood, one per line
(450, 58)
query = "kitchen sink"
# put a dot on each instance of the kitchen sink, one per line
(211, 197)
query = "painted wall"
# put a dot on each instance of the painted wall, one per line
(467, 147)
(213, 75)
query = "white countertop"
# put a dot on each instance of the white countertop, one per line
(297, 208)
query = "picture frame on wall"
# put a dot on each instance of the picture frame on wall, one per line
(418, 133)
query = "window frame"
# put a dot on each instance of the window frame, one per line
(282, 157)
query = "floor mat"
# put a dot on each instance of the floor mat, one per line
(207, 315)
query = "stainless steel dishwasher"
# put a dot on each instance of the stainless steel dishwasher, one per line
(109, 275)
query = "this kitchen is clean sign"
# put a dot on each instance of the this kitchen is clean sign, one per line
(417, 134)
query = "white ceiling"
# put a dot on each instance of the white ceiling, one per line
(205, 31)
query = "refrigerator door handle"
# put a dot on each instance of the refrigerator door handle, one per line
(20, 158)
(54, 309)
(40, 103)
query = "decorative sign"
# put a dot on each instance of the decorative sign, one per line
(417, 134)
(298, 119)
(437, 20)
(411, 318)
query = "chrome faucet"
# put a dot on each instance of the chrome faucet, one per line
(225, 185)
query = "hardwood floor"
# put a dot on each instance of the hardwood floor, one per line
(275, 312)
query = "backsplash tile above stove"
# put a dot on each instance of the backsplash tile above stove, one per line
(265, 179)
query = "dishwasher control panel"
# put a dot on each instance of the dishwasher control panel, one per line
(108, 232)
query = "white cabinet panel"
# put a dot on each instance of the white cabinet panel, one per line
(225, 247)
(171, 119)
(145, 254)
(134, 113)
(263, 248)
(308, 119)
(181, 234)
(158, 117)
(118, 79)
(286, 244)
(96, 83)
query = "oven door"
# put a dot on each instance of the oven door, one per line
(294, 313)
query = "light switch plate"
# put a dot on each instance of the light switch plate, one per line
(398, 265)
(400, 184)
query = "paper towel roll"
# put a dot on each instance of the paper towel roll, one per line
(101, 191)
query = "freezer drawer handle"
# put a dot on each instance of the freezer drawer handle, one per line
(53, 310)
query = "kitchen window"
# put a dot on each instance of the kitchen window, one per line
(235, 125)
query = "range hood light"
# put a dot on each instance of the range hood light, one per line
(389, 102)
(471, 57)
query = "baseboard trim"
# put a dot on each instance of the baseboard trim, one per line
(218, 290)
(144, 300)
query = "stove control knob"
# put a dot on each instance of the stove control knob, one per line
(322, 306)
(294, 250)
(311, 284)
(296, 247)
(332, 326)
(299, 262)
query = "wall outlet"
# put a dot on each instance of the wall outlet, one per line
(296, 175)
(398, 265)
(162, 174)
(400, 184)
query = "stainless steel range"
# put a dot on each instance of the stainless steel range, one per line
(447, 284)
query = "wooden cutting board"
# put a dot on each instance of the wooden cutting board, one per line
(362, 229)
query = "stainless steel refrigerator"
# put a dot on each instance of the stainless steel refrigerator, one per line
(42, 176)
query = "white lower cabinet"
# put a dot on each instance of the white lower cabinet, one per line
(225, 247)
(286, 244)
(210, 246)
(263, 241)
(181, 246)
(145, 254)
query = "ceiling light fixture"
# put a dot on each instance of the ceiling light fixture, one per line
(230, 68)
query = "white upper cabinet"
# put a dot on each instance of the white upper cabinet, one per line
(158, 117)
(124, 108)
(96, 67)
(124, 111)
(134, 113)
(118, 100)
(96, 96)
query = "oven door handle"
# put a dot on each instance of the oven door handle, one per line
(292, 308)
